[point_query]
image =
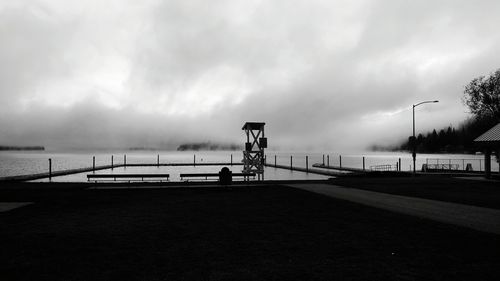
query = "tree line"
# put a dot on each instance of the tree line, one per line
(451, 139)
(482, 97)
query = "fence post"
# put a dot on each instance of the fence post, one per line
(125, 160)
(194, 160)
(340, 161)
(363, 163)
(328, 160)
(307, 164)
(50, 169)
(274, 160)
(93, 164)
(323, 160)
(231, 159)
(291, 162)
(112, 160)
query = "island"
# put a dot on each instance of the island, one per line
(10, 147)
(208, 146)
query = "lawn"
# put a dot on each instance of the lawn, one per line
(246, 233)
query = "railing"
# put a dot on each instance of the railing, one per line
(465, 164)
(439, 167)
(384, 168)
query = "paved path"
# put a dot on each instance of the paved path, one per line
(478, 218)
(7, 206)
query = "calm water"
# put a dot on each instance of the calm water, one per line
(31, 162)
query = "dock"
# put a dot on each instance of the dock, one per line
(57, 173)
(306, 170)
(339, 168)
(104, 167)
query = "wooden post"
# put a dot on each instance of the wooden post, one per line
(274, 160)
(291, 162)
(323, 160)
(363, 163)
(112, 160)
(194, 160)
(93, 164)
(231, 159)
(399, 161)
(340, 161)
(125, 160)
(487, 163)
(328, 160)
(50, 169)
(158, 160)
(307, 164)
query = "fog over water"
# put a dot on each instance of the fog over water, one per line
(323, 75)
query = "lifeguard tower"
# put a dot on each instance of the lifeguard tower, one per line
(253, 155)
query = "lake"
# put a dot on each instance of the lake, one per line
(13, 163)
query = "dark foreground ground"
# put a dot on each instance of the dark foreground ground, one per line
(475, 192)
(256, 233)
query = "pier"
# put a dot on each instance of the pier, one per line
(306, 170)
(51, 173)
(339, 168)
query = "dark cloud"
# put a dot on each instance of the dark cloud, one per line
(322, 74)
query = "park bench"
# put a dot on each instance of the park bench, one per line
(206, 176)
(128, 177)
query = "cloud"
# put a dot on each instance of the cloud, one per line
(321, 74)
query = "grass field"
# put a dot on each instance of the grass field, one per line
(247, 233)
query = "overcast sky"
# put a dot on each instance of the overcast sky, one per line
(322, 74)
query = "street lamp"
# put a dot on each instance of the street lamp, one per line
(414, 140)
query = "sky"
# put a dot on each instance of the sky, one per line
(322, 74)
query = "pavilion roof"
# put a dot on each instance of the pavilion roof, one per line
(490, 136)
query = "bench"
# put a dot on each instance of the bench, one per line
(214, 175)
(128, 177)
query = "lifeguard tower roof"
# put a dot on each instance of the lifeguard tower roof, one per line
(253, 125)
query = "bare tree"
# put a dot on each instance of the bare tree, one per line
(482, 95)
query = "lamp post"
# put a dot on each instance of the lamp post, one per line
(414, 140)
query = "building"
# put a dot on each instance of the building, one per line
(489, 142)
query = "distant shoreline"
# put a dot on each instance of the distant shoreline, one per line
(20, 148)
